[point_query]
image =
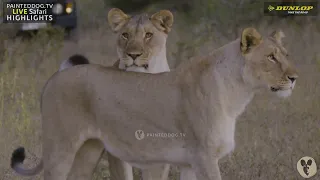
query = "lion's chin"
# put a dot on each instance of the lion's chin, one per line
(284, 93)
(136, 69)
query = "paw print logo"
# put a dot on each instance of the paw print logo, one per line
(139, 134)
(307, 167)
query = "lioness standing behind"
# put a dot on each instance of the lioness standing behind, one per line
(141, 47)
(201, 98)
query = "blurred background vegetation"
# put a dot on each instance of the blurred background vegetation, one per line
(271, 135)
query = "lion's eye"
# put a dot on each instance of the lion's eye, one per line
(125, 35)
(149, 35)
(272, 58)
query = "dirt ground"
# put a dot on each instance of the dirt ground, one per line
(271, 136)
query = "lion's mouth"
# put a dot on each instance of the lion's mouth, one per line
(282, 88)
(274, 89)
(146, 66)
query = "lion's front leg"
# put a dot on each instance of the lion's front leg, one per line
(158, 172)
(119, 170)
(187, 173)
(206, 166)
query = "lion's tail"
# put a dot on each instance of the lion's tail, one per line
(73, 60)
(17, 159)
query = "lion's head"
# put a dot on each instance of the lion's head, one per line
(140, 38)
(266, 62)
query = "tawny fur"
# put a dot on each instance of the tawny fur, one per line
(202, 98)
(154, 50)
(153, 54)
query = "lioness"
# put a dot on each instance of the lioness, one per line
(141, 42)
(92, 104)
(141, 47)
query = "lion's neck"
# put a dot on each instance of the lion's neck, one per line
(223, 84)
(157, 64)
(235, 93)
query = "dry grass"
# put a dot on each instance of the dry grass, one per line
(271, 135)
(26, 65)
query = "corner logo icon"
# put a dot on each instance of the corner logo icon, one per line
(270, 8)
(139, 134)
(307, 167)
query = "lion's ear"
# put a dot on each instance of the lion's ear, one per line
(117, 19)
(278, 35)
(163, 20)
(249, 38)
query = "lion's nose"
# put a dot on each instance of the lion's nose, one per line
(292, 79)
(134, 56)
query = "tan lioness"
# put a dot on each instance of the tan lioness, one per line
(91, 107)
(141, 42)
(141, 47)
